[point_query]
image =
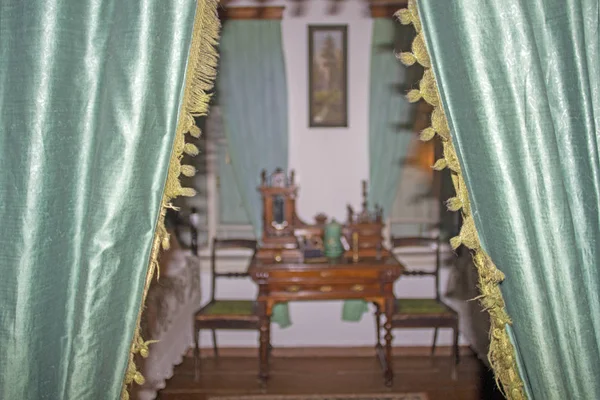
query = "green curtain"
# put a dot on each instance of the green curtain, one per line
(89, 97)
(520, 84)
(390, 129)
(232, 209)
(253, 96)
(390, 132)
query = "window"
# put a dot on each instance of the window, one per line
(415, 210)
(227, 215)
(418, 209)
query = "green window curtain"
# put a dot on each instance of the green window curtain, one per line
(89, 99)
(390, 132)
(231, 206)
(253, 97)
(390, 129)
(232, 209)
(520, 84)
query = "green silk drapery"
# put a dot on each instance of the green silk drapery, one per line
(389, 130)
(90, 93)
(253, 96)
(519, 82)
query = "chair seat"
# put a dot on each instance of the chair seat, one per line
(419, 308)
(228, 309)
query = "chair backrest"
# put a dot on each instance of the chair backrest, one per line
(227, 244)
(434, 244)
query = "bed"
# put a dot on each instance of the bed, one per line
(168, 317)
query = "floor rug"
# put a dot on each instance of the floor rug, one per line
(380, 396)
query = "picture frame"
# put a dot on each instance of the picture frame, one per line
(328, 76)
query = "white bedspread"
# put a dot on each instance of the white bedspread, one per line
(168, 318)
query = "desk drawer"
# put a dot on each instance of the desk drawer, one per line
(323, 290)
(327, 275)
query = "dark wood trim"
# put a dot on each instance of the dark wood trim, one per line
(233, 13)
(386, 9)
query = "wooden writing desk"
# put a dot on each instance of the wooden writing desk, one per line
(369, 279)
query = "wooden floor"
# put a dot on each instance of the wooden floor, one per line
(333, 375)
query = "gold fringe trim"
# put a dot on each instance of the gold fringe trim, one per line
(501, 353)
(200, 76)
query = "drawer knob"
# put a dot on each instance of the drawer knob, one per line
(325, 289)
(325, 274)
(358, 288)
(293, 288)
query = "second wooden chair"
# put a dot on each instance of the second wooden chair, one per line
(229, 314)
(423, 312)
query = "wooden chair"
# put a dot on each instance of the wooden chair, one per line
(423, 312)
(221, 313)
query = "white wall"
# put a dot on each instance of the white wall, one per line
(329, 162)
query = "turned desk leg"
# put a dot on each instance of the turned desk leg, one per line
(264, 341)
(389, 372)
(378, 326)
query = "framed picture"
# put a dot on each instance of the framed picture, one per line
(327, 76)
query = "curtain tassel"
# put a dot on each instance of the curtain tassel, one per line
(440, 164)
(407, 58)
(190, 149)
(427, 134)
(454, 204)
(188, 170)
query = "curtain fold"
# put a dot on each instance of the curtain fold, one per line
(253, 95)
(232, 209)
(520, 85)
(90, 92)
(390, 128)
